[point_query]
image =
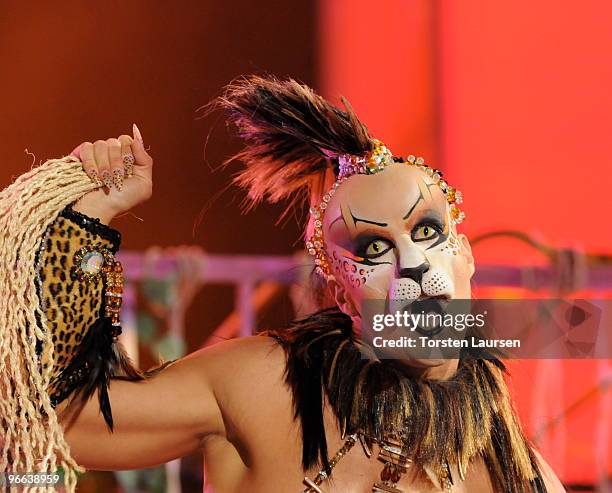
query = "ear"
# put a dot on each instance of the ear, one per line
(344, 302)
(466, 252)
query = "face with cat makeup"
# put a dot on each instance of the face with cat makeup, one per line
(389, 236)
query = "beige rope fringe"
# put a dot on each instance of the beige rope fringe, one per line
(32, 439)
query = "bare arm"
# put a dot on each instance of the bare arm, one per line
(156, 420)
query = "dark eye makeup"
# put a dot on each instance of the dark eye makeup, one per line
(369, 246)
(427, 229)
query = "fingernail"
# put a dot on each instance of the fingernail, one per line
(93, 176)
(107, 179)
(129, 170)
(118, 178)
(128, 164)
(137, 134)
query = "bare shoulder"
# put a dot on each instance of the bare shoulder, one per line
(247, 361)
(553, 485)
(253, 349)
(247, 377)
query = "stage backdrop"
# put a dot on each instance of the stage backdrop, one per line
(511, 100)
(79, 71)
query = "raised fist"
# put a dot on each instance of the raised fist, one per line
(123, 170)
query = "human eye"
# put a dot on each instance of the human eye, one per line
(425, 232)
(376, 248)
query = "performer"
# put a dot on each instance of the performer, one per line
(292, 410)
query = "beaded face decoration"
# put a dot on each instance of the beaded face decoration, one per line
(371, 163)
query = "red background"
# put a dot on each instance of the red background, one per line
(511, 99)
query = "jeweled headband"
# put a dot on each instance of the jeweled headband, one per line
(371, 163)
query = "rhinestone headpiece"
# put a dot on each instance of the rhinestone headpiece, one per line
(371, 163)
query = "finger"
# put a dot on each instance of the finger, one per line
(86, 155)
(140, 154)
(116, 163)
(103, 162)
(77, 152)
(137, 134)
(126, 155)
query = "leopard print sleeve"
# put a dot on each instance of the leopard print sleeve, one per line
(74, 253)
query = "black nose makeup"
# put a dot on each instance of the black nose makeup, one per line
(415, 273)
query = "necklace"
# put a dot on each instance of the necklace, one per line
(395, 461)
(432, 423)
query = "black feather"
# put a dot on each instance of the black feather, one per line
(99, 359)
(291, 135)
(377, 399)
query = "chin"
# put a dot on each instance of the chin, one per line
(431, 369)
(424, 363)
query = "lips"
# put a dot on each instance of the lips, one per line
(435, 304)
(428, 305)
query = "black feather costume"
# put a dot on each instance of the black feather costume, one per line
(293, 139)
(454, 421)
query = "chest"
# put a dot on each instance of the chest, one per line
(269, 459)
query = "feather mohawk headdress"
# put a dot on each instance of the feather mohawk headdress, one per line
(293, 137)
(300, 147)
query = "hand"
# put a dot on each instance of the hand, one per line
(123, 185)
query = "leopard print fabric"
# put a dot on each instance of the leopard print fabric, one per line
(71, 305)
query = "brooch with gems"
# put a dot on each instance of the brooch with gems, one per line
(89, 260)
(94, 262)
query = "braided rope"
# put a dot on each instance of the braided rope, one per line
(33, 439)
